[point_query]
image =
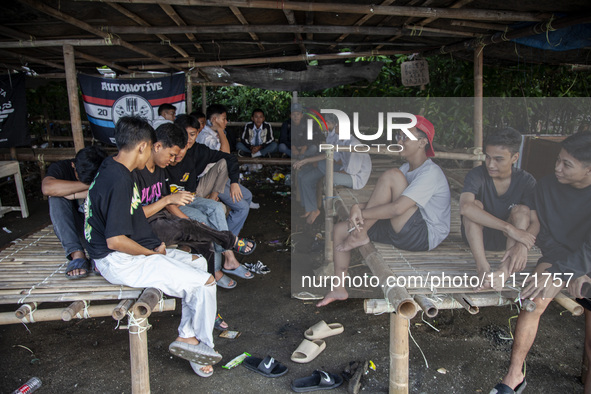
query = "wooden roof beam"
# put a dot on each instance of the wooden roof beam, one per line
(309, 21)
(31, 59)
(243, 20)
(85, 26)
(58, 43)
(180, 22)
(102, 62)
(292, 21)
(419, 12)
(362, 20)
(137, 19)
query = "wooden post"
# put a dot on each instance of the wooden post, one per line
(478, 94)
(69, 61)
(189, 94)
(328, 194)
(398, 354)
(204, 99)
(138, 352)
(294, 97)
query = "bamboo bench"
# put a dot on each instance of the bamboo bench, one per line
(32, 274)
(452, 257)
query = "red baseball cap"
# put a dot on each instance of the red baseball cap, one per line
(426, 127)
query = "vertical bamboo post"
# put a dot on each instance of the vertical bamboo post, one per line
(138, 351)
(328, 194)
(294, 96)
(478, 95)
(70, 65)
(398, 354)
(189, 93)
(204, 99)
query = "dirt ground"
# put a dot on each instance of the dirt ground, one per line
(92, 356)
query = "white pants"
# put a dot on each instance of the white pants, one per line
(177, 275)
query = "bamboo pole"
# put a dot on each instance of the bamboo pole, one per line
(329, 203)
(30, 59)
(138, 354)
(478, 95)
(71, 311)
(427, 305)
(189, 98)
(58, 43)
(145, 304)
(121, 309)
(569, 304)
(72, 84)
(24, 310)
(465, 301)
(398, 354)
(371, 9)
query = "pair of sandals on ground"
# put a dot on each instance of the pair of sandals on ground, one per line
(82, 267)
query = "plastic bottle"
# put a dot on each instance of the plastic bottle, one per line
(31, 385)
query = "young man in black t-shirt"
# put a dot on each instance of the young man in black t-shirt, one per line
(66, 184)
(495, 206)
(561, 205)
(162, 208)
(127, 252)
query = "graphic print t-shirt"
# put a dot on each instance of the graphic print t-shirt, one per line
(152, 185)
(113, 207)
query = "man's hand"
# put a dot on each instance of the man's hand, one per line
(235, 192)
(521, 236)
(355, 217)
(255, 149)
(160, 249)
(181, 198)
(541, 284)
(299, 164)
(515, 257)
(575, 287)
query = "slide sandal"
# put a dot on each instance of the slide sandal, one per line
(268, 367)
(322, 330)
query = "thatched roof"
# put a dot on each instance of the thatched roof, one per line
(179, 35)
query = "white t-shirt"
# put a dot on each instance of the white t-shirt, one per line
(428, 187)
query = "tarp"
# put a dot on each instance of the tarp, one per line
(13, 111)
(107, 99)
(313, 78)
(568, 38)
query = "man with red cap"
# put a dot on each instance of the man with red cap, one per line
(409, 207)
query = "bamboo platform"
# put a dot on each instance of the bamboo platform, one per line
(33, 270)
(32, 274)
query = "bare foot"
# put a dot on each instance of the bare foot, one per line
(513, 380)
(352, 242)
(76, 272)
(312, 216)
(219, 274)
(338, 294)
(305, 215)
(190, 341)
(249, 245)
(207, 368)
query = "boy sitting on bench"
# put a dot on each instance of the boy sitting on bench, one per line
(495, 207)
(409, 207)
(127, 252)
(66, 184)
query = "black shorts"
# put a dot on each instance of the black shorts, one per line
(584, 302)
(414, 235)
(494, 240)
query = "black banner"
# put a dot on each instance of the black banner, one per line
(13, 111)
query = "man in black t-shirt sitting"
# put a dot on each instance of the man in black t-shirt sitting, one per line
(127, 252)
(66, 184)
(495, 206)
(562, 209)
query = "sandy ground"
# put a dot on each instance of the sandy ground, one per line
(92, 356)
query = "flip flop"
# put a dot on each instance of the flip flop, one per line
(224, 282)
(307, 296)
(197, 369)
(502, 388)
(322, 330)
(319, 380)
(239, 271)
(269, 367)
(78, 264)
(241, 245)
(308, 351)
(200, 354)
(218, 323)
